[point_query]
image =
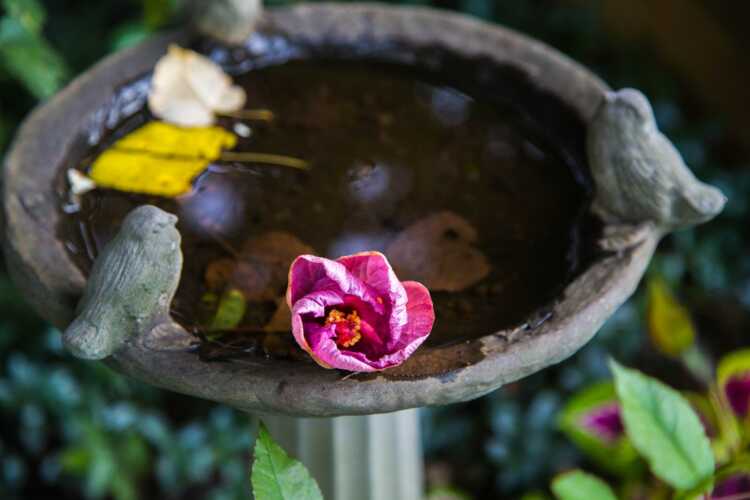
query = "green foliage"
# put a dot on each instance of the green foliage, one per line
(733, 364)
(497, 446)
(25, 55)
(276, 476)
(664, 429)
(231, 310)
(109, 467)
(578, 485)
(618, 456)
(29, 13)
(669, 323)
(72, 425)
(447, 493)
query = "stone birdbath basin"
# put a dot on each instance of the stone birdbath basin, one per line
(630, 188)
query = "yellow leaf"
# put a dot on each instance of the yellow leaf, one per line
(160, 159)
(669, 324)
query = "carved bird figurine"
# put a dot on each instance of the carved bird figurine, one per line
(640, 177)
(230, 21)
(131, 285)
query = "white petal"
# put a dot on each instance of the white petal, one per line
(187, 89)
(79, 183)
(232, 99)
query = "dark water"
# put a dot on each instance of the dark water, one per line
(388, 146)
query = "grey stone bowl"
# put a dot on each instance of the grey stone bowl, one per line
(158, 353)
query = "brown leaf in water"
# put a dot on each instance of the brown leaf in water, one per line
(262, 268)
(281, 321)
(439, 252)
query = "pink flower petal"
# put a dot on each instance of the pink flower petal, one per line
(309, 273)
(390, 319)
(419, 311)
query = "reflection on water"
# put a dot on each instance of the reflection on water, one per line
(216, 206)
(388, 147)
(350, 243)
(450, 107)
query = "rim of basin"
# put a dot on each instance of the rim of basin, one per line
(51, 281)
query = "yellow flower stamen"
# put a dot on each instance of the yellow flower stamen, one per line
(352, 320)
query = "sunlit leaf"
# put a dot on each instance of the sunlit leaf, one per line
(664, 428)
(276, 476)
(160, 159)
(669, 324)
(606, 447)
(230, 312)
(28, 57)
(578, 485)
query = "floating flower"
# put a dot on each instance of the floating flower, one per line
(189, 89)
(354, 314)
(604, 422)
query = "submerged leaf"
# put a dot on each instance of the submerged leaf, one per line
(261, 270)
(281, 321)
(160, 159)
(664, 428)
(439, 252)
(669, 324)
(230, 312)
(188, 89)
(276, 476)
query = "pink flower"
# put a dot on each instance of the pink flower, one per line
(354, 314)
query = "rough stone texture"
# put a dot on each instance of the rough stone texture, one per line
(231, 21)
(160, 355)
(131, 285)
(640, 176)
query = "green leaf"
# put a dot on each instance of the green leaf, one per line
(128, 34)
(578, 485)
(276, 476)
(664, 428)
(29, 13)
(617, 456)
(447, 493)
(231, 310)
(734, 364)
(669, 324)
(28, 57)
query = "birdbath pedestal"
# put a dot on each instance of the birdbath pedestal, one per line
(359, 435)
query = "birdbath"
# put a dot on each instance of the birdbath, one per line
(559, 207)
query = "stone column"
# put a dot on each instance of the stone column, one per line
(373, 457)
